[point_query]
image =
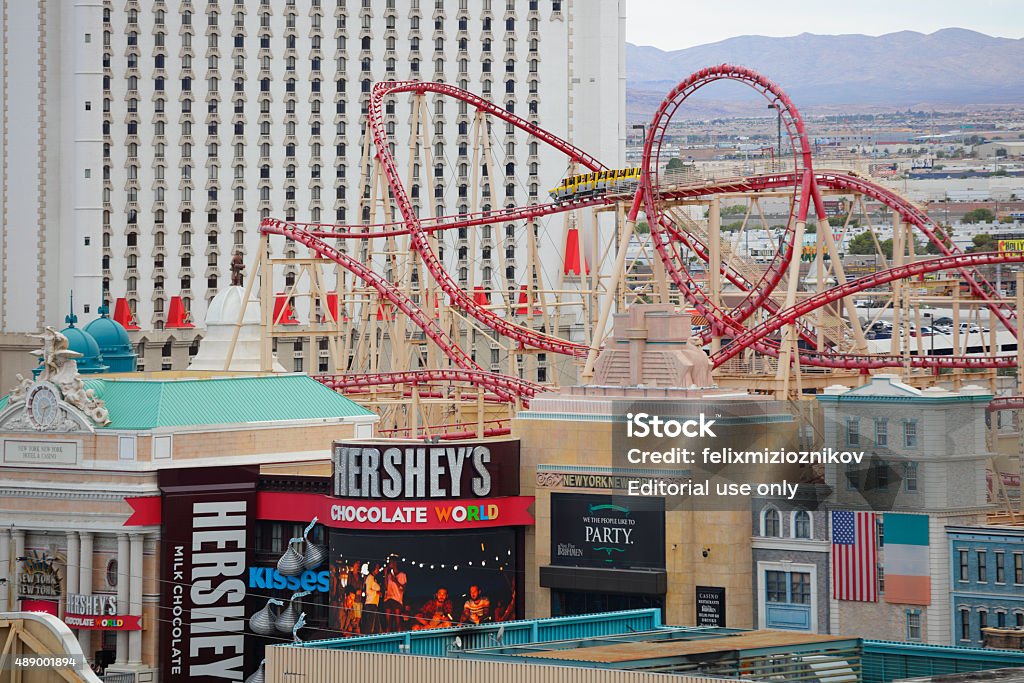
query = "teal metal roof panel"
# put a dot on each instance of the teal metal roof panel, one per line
(437, 642)
(885, 661)
(149, 404)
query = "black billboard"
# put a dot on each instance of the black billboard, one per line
(391, 470)
(206, 545)
(399, 581)
(710, 604)
(607, 531)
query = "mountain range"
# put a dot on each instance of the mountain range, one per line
(949, 68)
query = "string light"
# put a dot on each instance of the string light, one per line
(414, 563)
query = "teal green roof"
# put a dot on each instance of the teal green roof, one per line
(144, 404)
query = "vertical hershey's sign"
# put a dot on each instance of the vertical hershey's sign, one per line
(208, 533)
(217, 626)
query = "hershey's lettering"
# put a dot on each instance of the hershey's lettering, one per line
(412, 472)
(218, 590)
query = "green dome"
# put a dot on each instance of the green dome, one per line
(114, 344)
(108, 333)
(91, 361)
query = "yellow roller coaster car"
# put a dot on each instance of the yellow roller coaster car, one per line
(598, 182)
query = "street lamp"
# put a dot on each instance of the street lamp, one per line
(778, 110)
(642, 127)
(931, 332)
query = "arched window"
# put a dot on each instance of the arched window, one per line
(771, 522)
(802, 527)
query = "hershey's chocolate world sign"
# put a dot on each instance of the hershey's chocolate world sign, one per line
(396, 471)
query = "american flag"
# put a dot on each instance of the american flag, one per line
(854, 556)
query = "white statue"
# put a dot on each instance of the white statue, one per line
(699, 371)
(60, 369)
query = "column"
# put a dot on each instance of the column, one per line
(124, 572)
(85, 586)
(135, 598)
(19, 552)
(73, 567)
(5, 569)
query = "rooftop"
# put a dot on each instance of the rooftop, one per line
(636, 641)
(991, 676)
(145, 403)
(633, 640)
(888, 387)
(657, 650)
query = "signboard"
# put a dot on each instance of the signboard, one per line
(123, 622)
(356, 513)
(607, 531)
(40, 576)
(710, 606)
(423, 580)
(268, 578)
(834, 207)
(44, 606)
(40, 453)
(98, 613)
(92, 605)
(208, 534)
(567, 480)
(1010, 245)
(416, 471)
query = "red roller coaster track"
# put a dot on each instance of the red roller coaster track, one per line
(1005, 403)
(752, 337)
(383, 287)
(493, 381)
(662, 229)
(418, 237)
(668, 239)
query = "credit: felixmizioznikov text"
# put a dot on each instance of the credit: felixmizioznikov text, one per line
(728, 456)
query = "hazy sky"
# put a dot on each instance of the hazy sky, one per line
(675, 24)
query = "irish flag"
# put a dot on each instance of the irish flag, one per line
(907, 579)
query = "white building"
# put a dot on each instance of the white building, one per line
(142, 142)
(925, 454)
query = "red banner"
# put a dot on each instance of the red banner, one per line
(360, 513)
(121, 622)
(45, 606)
(145, 510)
